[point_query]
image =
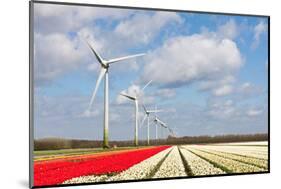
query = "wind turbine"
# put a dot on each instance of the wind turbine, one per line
(146, 116)
(162, 124)
(156, 129)
(135, 98)
(171, 131)
(104, 73)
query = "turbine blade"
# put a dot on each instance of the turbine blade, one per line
(128, 96)
(144, 118)
(124, 58)
(161, 122)
(102, 72)
(144, 108)
(100, 60)
(146, 85)
(154, 111)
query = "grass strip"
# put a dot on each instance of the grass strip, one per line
(77, 154)
(76, 151)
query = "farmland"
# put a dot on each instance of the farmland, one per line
(151, 162)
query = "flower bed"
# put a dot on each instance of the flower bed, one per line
(56, 172)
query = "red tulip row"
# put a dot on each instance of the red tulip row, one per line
(56, 172)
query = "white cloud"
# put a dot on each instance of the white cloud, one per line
(148, 99)
(165, 92)
(226, 87)
(246, 86)
(219, 87)
(248, 89)
(89, 114)
(221, 109)
(54, 55)
(141, 28)
(223, 90)
(58, 51)
(93, 67)
(254, 112)
(64, 18)
(91, 34)
(229, 30)
(199, 57)
(259, 29)
(228, 103)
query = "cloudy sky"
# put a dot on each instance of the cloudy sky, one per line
(209, 72)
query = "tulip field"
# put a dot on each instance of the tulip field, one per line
(152, 162)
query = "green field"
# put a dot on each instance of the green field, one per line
(70, 152)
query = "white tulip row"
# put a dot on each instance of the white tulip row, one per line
(86, 179)
(198, 165)
(231, 165)
(172, 166)
(141, 170)
(257, 143)
(246, 159)
(252, 151)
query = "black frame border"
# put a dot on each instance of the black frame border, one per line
(31, 89)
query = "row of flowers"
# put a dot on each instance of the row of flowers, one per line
(251, 151)
(242, 158)
(56, 162)
(172, 166)
(141, 170)
(52, 173)
(199, 166)
(228, 165)
(86, 179)
(200, 159)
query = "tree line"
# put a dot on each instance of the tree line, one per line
(61, 143)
